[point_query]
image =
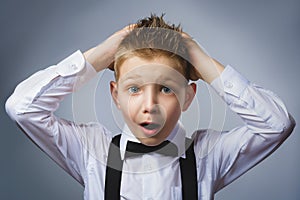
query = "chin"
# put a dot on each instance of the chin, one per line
(152, 141)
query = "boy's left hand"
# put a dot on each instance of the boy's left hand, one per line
(205, 67)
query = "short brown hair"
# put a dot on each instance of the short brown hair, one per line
(152, 37)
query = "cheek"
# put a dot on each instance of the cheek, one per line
(181, 98)
(172, 108)
(129, 106)
(173, 113)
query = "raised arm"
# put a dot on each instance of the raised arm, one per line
(267, 123)
(34, 101)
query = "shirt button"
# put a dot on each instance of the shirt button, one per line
(74, 66)
(228, 84)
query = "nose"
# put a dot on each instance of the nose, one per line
(150, 104)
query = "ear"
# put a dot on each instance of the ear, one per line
(189, 96)
(114, 93)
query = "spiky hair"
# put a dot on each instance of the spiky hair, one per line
(152, 37)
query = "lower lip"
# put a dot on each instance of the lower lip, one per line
(150, 132)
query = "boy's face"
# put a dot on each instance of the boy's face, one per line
(151, 95)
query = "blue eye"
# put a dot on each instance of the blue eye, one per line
(133, 90)
(166, 90)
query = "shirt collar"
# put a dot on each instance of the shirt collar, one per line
(177, 136)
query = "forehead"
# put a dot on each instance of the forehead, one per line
(157, 70)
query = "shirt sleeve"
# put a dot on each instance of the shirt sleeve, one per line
(266, 125)
(32, 106)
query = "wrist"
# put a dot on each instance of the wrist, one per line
(209, 69)
(97, 58)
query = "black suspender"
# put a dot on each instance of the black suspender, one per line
(189, 172)
(113, 171)
(115, 165)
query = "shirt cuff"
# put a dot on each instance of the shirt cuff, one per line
(230, 82)
(71, 65)
(76, 64)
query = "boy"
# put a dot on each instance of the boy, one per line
(153, 63)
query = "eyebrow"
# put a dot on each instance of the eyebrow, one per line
(168, 79)
(138, 77)
(133, 77)
(172, 83)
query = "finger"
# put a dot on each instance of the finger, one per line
(186, 35)
(111, 66)
(194, 74)
(128, 28)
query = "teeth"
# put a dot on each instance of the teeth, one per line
(150, 126)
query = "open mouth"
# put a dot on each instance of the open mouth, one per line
(150, 126)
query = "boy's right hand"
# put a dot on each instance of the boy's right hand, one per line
(102, 56)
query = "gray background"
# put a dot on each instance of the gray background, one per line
(259, 38)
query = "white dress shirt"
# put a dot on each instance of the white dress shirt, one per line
(81, 149)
